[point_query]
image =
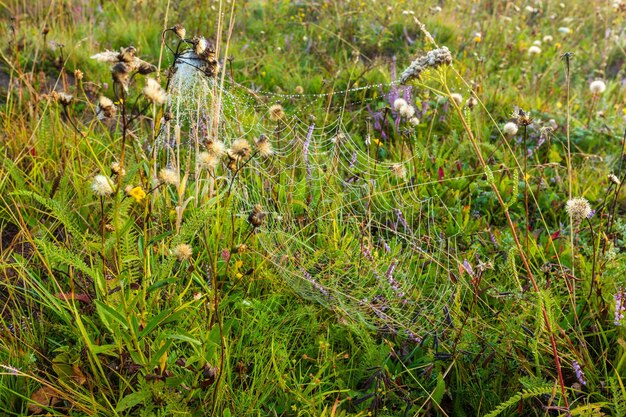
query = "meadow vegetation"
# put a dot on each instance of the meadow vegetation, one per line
(312, 208)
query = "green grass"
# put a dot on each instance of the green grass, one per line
(390, 268)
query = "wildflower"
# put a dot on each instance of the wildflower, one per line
(276, 112)
(578, 209)
(620, 307)
(299, 89)
(407, 111)
(169, 176)
(613, 178)
(580, 375)
(597, 87)
(62, 98)
(154, 92)
(264, 146)
(117, 169)
(101, 186)
(471, 102)
(182, 251)
(534, 50)
(78, 74)
(240, 149)
(135, 192)
(105, 108)
(256, 217)
(216, 148)
(478, 37)
(457, 98)
(510, 129)
(433, 59)
(548, 39)
(398, 170)
(207, 160)
(399, 103)
(414, 121)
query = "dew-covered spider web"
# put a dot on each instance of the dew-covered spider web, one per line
(344, 226)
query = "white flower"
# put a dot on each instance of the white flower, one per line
(548, 39)
(101, 186)
(183, 251)
(399, 103)
(534, 50)
(414, 121)
(597, 87)
(154, 92)
(510, 129)
(207, 160)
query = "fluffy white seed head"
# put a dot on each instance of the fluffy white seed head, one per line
(597, 87)
(457, 97)
(207, 160)
(510, 129)
(407, 111)
(154, 92)
(534, 50)
(578, 208)
(182, 251)
(414, 121)
(102, 186)
(169, 176)
(399, 103)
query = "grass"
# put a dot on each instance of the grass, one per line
(370, 264)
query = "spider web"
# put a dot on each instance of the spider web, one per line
(343, 228)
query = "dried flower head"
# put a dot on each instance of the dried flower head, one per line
(510, 129)
(264, 146)
(62, 98)
(154, 92)
(578, 209)
(276, 112)
(123, 63)
(614, 179)
(471, 102)
(256, 217)
(102, 186)
(240, 149)
(179, 30)
(216, 148)
(398, 170)
(169, 176)
(200, 45)
(78, 75)
(182, 251)
(207, 160)
(105, 108)
(414, 121)
(299, 89)
(433, 59)
(457, 98)
(597, 87)
(116, 168)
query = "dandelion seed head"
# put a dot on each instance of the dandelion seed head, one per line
(597, 87)
(407, 111)
(399, 103)
(534, 50)
(510, 129)
(414, 121)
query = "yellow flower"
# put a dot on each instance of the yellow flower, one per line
(376, 142)
(137, 193)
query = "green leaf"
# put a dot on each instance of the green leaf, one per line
(132, 400)
(109, 315)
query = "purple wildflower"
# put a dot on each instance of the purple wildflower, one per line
(620, 307)
(580, 375)
(468, 267)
